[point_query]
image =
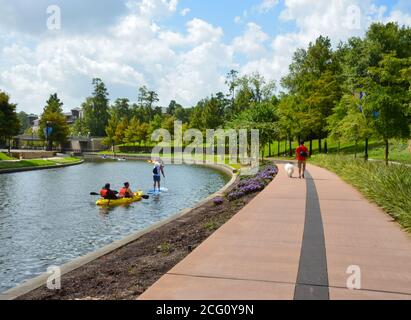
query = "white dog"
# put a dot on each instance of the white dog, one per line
(289, 168)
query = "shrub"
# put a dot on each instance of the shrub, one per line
(387, 186)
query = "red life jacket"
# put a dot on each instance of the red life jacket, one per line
(104, 193)
(123, 192)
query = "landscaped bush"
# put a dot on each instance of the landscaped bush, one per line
(253, 184)
(388, 186)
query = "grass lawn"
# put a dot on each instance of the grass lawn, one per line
(387, 186)
(398, 149)
(36, 163)
(4, 156)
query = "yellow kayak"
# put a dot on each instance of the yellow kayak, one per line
(120, 202)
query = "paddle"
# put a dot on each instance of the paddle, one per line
(146, 197)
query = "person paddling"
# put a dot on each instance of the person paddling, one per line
(302, 155)
(126, 192)
(157, 172)
(107, 193)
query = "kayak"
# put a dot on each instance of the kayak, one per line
(119, 202)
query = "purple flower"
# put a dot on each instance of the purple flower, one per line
(218, 201)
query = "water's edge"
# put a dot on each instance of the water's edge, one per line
(41, 280)
(17, 170)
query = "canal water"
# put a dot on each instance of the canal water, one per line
(49, 218)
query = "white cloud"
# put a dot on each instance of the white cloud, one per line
(252, 41)
(185, 11)
(135, 51)
(338, 20)
(238, 20)
(266, 6)
(153, 8)
(400, 17)
(198, 31)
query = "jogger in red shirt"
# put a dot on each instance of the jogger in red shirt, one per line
(302, 155)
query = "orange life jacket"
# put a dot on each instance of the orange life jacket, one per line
(123, 192)
(103, 193)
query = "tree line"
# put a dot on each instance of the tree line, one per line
(355, 92)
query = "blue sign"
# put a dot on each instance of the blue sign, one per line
(48, 131)
(376, 114)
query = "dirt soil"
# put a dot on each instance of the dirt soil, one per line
(127, 272)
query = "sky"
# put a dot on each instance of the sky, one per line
(182, 49)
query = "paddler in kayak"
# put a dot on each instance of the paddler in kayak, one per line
(107, 193)
(157, 172)
(126, 192)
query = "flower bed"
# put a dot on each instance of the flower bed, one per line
(254, 184)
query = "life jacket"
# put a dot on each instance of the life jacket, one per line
(123, 192)
(157, 170)
(104, 193)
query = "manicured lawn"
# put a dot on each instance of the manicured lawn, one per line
(5, 157)
(398, 149)
(387, 186)
(36, 163)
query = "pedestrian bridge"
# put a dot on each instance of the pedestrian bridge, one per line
(78, 144)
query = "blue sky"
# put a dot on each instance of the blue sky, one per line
(180, 48)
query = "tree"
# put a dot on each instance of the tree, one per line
(313, 80)
(111, 130)
(136, 131)
(147, 98)
(232, 83)
(9, 122)
(54, 120)
(79, 128)
(24, 121)
(388, 98)
(121, 108)
(154, 125)
(96, 109)
(349, 123)
(262, 117)
(115, 131)
(168, 124)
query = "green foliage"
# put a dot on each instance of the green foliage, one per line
(388, 186)
(36, 163)
(121, 109)
(9, 122)
(263, 117)
(96, 109)
(136, 132)
(53, 116)
(116, 131)
(79, 128)
(24, 121)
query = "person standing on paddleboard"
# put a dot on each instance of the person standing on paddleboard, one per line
(157, 172)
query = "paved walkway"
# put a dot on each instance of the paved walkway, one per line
(296, 240)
